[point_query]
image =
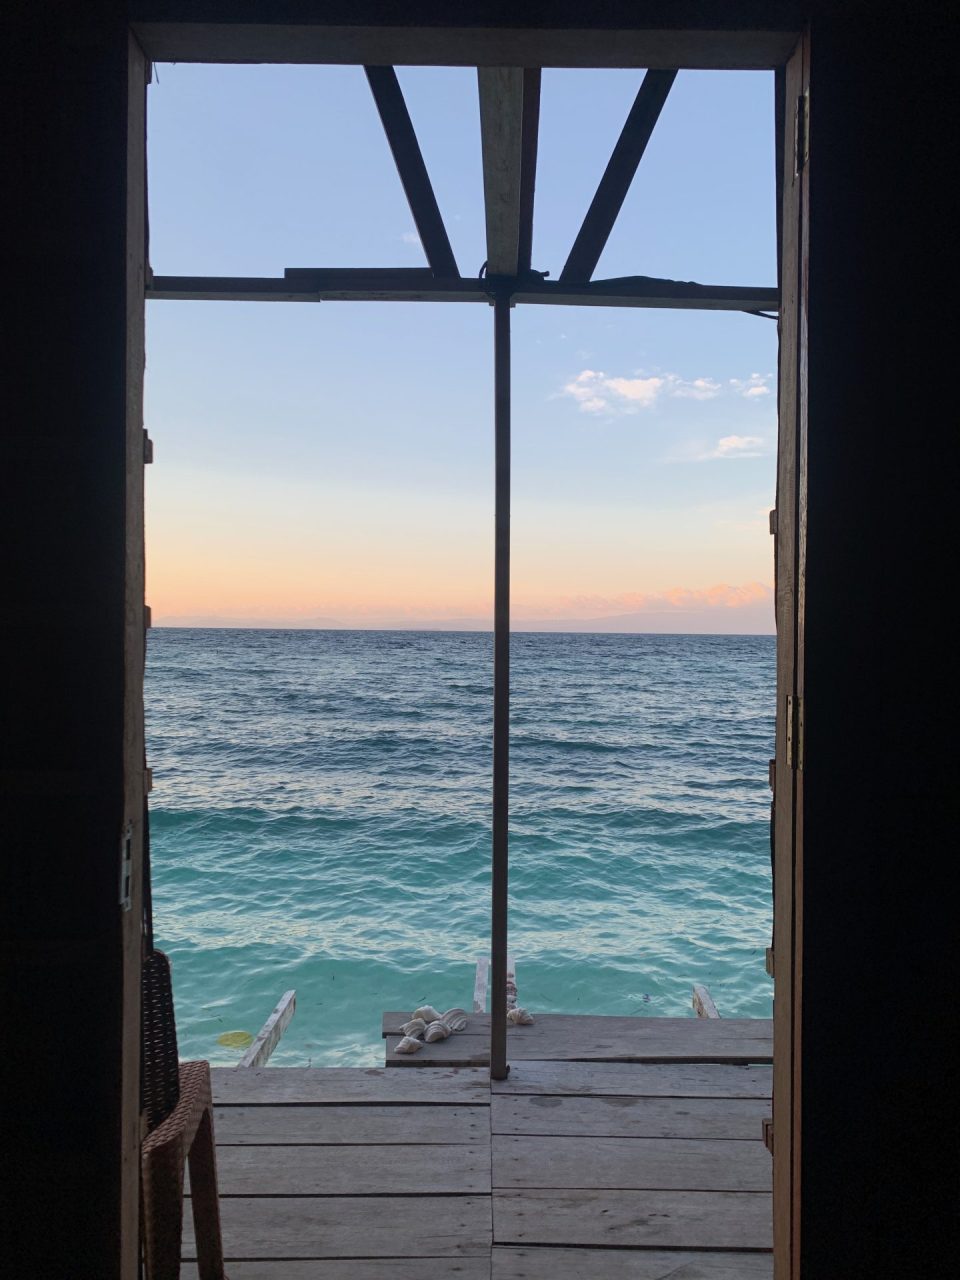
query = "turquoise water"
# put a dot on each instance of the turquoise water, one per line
(321, 820)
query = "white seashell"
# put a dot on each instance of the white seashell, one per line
(455, 1019)
(415, 1027)
(519, 1017)
(436, 1031)
(427, 1012)
(409, 1044)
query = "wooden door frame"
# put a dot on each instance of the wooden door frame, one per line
(780, 49)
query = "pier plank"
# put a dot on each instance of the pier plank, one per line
(280, 1227)
(360, 1269)
(356, 1171)
(638, 1080)
(618, 1264)
(583, 1038)
(612, 1117)
(341, 1085)
(638, 1219)
(353, 1125)
(678, 1164)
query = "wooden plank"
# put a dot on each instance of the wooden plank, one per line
(359, 1171)
(713, 40)
(268, 1037)
(408, 158)
(280, 1227)
(480, 985)
(703, 1002)
(637, 1219)
(611, 1117)
(670, 1080)
(356, 1269)
(530, 131)
(354, 1125)
(501, 136)
(339, 1085)
(580, 1037)
(618, 175)
(621, 1264)
(681, 1164)
(415, 284)
(460, 1050)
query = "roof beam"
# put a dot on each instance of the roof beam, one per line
(529, 138)
(408, 158)
(501, 136)
(418, 284)
(619, 173)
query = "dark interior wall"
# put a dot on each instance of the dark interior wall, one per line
(880, 566)
(61, 676)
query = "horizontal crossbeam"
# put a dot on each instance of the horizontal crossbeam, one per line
(418, 284)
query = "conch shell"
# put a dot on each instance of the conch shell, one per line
(436, 1031)
(455, 1019)
(409, 1044)
(415, 1027)
(518, 1017)
(427, 1012)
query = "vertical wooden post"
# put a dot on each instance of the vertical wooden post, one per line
(501, 690)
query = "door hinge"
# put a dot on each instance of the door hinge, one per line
(147, 448)
(768, 1134)
(126, 865)
(801, 134)
(794, 732)
(773, 521)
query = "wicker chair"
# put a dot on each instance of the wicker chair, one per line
(177, 1107)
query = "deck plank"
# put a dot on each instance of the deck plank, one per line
(279, 1227)
(359, 1269)
(637, 1080)
(619, 1264)
(356, 1171)
(354, 1125)
(680, 1164)
(613, 1117)
(344, 1085)
(584, 1038)
(637, 1219)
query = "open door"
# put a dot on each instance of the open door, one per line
(790, 554)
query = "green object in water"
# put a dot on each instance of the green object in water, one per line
(235, 1039)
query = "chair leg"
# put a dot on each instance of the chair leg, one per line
(206, 1203)
(162, 1231)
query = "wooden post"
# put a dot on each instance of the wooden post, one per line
(501, 689)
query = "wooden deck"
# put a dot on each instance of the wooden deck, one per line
(567, 1170)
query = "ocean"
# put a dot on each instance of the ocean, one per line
(320, 820)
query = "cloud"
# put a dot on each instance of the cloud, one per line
(597, 393)
(734, 447)
(410, 237)
(758, 384)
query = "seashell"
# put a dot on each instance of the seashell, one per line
(409, 1044)
(427, 1012)
(415, 1027)
(518, 1017)
(436, 1031)
(455, 1019)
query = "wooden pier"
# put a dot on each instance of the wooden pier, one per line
(573, 1167)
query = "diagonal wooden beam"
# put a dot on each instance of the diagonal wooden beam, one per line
(529, 138)
(408, 158)
(501, 137)
(615, 183)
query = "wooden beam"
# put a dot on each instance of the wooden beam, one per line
(619, 173)
(529, 139)
(718, 37)
(418, 284)
(408, 158)
(501, 135)
(703, 1002)
(269, 1035)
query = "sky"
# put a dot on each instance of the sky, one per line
(332, 464)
